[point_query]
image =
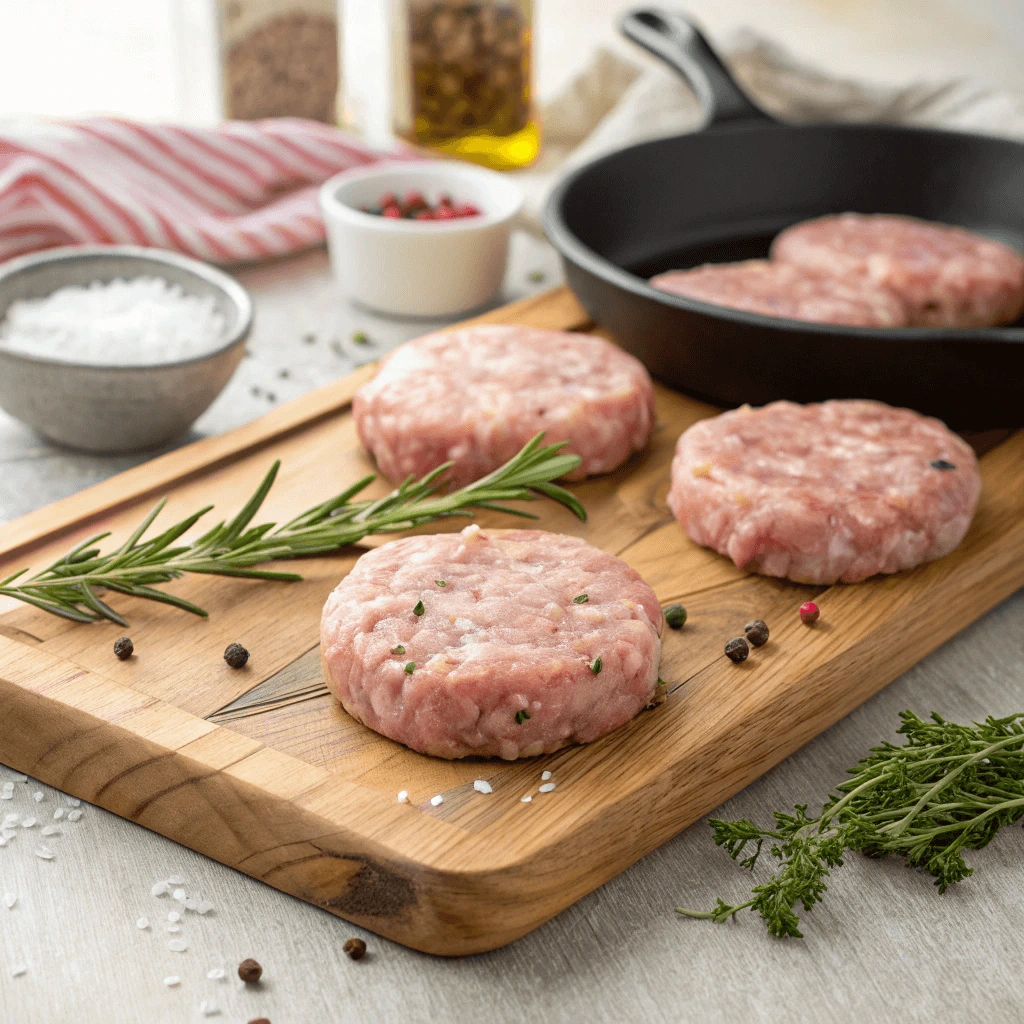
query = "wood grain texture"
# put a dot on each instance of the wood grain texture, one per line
(302, 797)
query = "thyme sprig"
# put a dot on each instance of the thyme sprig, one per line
(72, 587)
(949, 788)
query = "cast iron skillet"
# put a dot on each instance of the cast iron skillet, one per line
(723, 192)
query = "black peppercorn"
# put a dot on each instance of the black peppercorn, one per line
(737, 649)
(941, 464)
(757, 632)
(124, 648)
(236, 655)
(355, 948)
(250, 971)
(675, 615)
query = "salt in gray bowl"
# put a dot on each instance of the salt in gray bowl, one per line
(117, 408)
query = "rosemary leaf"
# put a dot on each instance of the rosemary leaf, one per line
(232, 548)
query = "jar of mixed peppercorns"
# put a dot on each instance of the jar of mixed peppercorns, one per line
(463, 79)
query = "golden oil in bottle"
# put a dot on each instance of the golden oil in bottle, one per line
(464, 79)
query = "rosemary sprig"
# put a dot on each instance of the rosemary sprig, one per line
(72, 586)
(949, 788)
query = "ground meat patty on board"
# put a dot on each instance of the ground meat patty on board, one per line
(507, 658)
(778, 289)
(476, 395)
(822, 493)
(944, 276)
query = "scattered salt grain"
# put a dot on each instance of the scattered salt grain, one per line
(142, 923)
(403, 796)
(3, 841)
(28, 822)
(18, 777)
(38, 796)
(216, 974)
(10, 898)
(175, 880)
(174, 927)
(435, 801)
(18, 969)
(8, 833)
(73, 801)
(547, 787)
(58, 814)
(178, 894)
(160, 889)
(208, 1008)
(177, 945)
(144, 320)
(50, 830)
(173, 916)
(74, 815)
(544, 776)
(172, 980)
(44, 853)
(7, 794)
(482, 786)
(204, 907)
(10, 820)
(526, 799)
(8, 787)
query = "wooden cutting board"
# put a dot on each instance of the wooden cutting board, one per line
(261, 770)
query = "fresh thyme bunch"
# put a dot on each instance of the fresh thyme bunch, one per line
(949, 788)
(72, 586)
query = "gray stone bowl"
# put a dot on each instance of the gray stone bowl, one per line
(117, 408)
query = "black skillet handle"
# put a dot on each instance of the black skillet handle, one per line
(673, 38)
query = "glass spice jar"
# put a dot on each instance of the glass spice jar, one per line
(279, 58)
(463, 79)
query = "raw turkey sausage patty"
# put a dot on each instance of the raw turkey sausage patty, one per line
(778, 289)
(944, 276)
(822, 493)
(477, 395)
(507, 657)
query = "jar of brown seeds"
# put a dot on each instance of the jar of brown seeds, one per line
(279, 58)
(464, 79)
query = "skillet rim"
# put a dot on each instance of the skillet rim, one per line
(572, 248)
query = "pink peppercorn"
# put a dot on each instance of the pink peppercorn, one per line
(809, 613)
(391, 211)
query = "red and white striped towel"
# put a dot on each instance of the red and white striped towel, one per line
(240, 191)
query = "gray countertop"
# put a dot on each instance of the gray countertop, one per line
(883, 944)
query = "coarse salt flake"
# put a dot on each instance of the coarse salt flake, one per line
(547, 787)
(436, 801)
(8, 833)
(208, 1008)
(215, 974)
(178, 894)
(482, 786)
(175, 880)
(58, 814)
(204, 907)
(144, 320)
(18, 969)
(8, 787)
(10, 898)
(403, 796)
(544, 776)
(73, 801)
(18, 777)
(177, 945)
(173, 916)
(28, 822)
(172, 980)
(44, 853)
(159, 889)
(50, 830)
(38, 796)
(10, 820)
(142, 923)
(174, 927)
(7, 794)
(74, 815)
(526, 799)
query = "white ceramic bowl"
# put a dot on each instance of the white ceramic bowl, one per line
(419, 268)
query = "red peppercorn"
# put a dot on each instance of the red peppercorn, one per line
(468, 210)
(809, 613)
(391, 211)
(444, 213)
(423, 215)
(388, 199)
